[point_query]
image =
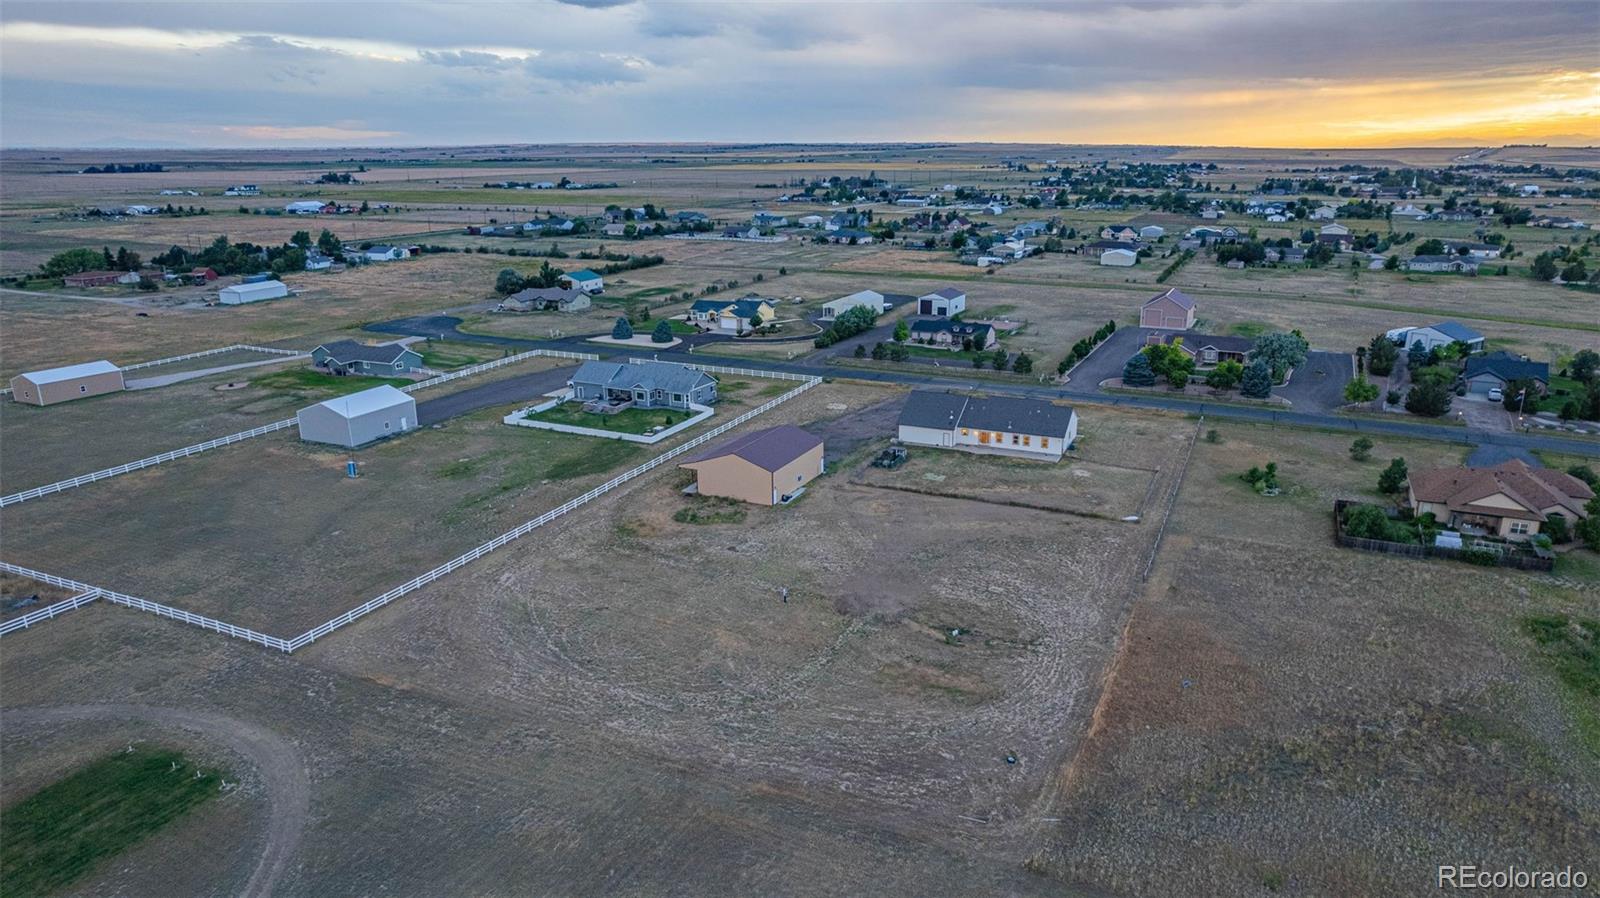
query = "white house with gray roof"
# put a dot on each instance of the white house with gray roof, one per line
(997, 425)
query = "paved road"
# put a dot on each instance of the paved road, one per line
(1084, 388)
(524, 388)
(283, 773)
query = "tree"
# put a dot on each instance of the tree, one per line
(72, 261)
(902, 331)
(1544, 267)
(755, 320)
(329, 244)
(1257, 380)
(1361, 449)
(861, 350)
(1584, 365)
(662, 332)
(1586, 474)
(622, 330)
(1588, 529)
(1177, 377)
(1023, 364)
(301, 239)
(547, 276)
(507, 282)
(999, 359)
(898, 352)
(1518, 393)
(1430, 248)
(1137, 372)
(1428, 398)
(1381, 355)
(1360, 390)
(1392, 263)
(1393, 478)
(1575, 273)
(1225, 376)
(1281, 352)
(879, 352)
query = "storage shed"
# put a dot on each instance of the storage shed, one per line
(71, 382)
(766, 467)
(243, 293)
(359, 418)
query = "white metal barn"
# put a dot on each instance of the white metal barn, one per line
(1119, 257)
(304, 207)
(359, 418)
(243, 293)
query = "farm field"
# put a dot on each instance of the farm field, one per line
(273, 536)
(1270, 682)
(854, 701)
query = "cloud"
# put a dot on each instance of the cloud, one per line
(595, 4)
(571, 67)
(475, 59)
(302, 133)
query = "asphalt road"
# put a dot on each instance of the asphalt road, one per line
(1084, 387)
(524, 388)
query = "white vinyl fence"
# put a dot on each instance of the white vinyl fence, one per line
(153, 460)
(230, 439)
(416, 583)
(218, 351)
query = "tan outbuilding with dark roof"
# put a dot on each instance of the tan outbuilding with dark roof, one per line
(764, 468)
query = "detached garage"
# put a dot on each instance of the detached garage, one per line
(243, 293)
(71, 382)
(359, 418)
(767, 467)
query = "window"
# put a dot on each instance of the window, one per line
(1027, 440)
(82, 388)
(1044, 442)
(677, 397)
(1015, 439)
(1519, 527)
(397, 366)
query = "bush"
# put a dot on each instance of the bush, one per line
(1257, 380)
(1428, 398)
(1393, 478)
(1361, 449)
(662, 332)
(1023, 364)
(1370, 522)
(622, 330)
(1137, 372)
(1392, 397)
(1555, 527)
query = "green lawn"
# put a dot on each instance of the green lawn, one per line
(55, 836)
(1562, 390)
(941, 354)
(315, 384)
(447, 356)
(680, 327)
(633, 420)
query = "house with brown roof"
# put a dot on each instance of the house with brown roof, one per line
(1208, 350)
(1171, 309)
(1510, 500)
(767, 467)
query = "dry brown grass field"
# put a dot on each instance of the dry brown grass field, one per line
(623, 703)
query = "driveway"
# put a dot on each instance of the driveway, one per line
(1108, 358)
(1481, 414)
(524, 388)
(1318, 384)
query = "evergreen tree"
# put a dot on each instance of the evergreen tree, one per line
(1257, 380)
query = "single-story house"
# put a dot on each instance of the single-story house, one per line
(351, 357)
(54, 385)
(1334, 229)
(93, 278)
(1030, 229)
(645, 385)
(304, 207)
(768, 220)
(733, 316)
(1207, 350)
(810, 221)
(748, 232)
(1556, 221)
(1475, 250)
(359, 418)
(1493, 370)
(1324, 213)
(554, 223)
(546, 299)
(767, 467)
(1510, 500)
(945, 301)
(945, 332)
(846, 220)
(257, 291)
(870, 299)
(1002, 425)
(1442, 334)
(1208, 235)
(316, 261)
(615, 229)
(1127, 233)
(383, 253)
(585, 280)
(849, 235)
(1121, 258)
(1171, 309)
(1455, 264)
(687, 217)
(1408, 211)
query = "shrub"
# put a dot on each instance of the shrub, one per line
(1393, 478)
(662, 332)
(1392, 397)
(1361, 449)
(622, 330)
(1137, 372)
(1257, 380)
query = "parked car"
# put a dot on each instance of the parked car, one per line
(1496, 394)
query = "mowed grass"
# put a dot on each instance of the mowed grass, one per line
(448, 356)
(52, 838)
(633, 420)
(316, 385)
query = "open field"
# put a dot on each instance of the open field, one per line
(1271, 683)
(272, 536)
(858, 730)
(40, 445)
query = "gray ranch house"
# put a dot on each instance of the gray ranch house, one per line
(350, 357)
(645, 385)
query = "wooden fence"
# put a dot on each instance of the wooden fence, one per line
(1520, 559)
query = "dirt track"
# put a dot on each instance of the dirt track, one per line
(279, 764)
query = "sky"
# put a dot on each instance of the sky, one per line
(1281, 73)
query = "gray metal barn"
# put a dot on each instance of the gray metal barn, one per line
(359, 418)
